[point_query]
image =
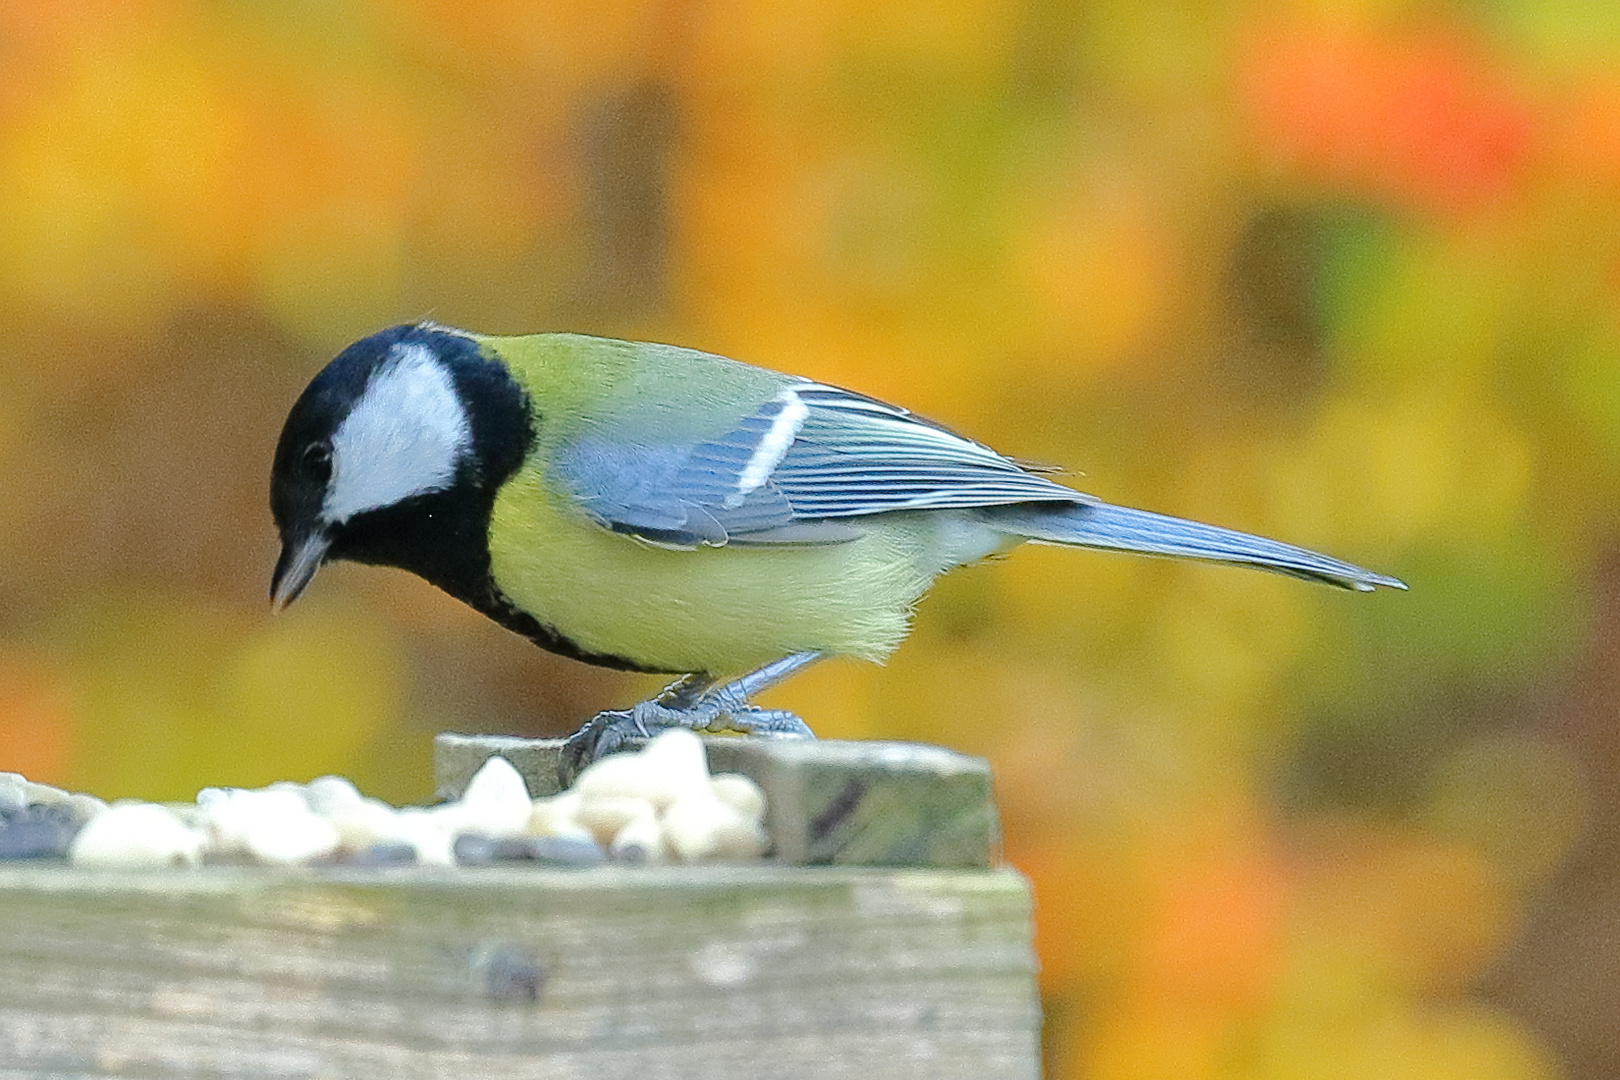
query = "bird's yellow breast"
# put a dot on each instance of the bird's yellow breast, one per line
(721, 610)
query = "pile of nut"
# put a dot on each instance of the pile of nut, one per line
(655, 805)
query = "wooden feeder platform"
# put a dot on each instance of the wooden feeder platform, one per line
(881, 940)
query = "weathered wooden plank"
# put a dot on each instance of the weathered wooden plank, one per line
(456, 757)
(855, 803)
(493, 973)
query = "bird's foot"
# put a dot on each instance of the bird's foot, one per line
(610, 731)
(693, 702)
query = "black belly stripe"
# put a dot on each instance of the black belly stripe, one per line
(497, 606)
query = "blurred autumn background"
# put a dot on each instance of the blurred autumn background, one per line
(1344, 273)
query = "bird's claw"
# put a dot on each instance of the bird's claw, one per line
(603, 734)
(770, 723)
(613, 730)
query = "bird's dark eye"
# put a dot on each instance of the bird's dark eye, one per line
(316, 462)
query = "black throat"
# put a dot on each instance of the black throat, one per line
(443, 536)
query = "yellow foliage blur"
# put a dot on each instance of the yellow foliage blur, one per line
(1344, 273)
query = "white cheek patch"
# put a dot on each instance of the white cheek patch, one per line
(404, 437)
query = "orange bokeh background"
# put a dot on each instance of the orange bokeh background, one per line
(1343, 272)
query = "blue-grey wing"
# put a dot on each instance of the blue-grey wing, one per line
(792, 472)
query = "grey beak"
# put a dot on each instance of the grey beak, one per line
(299, 560)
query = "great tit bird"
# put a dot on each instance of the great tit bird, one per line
(660, 509)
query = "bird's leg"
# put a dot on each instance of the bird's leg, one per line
(692, 701)
(730, 702)
(684, 691)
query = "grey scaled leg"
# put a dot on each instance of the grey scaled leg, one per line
(692, 701)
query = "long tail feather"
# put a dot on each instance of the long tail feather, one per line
(1120, 528)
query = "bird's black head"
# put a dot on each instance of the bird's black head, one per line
(392, 455)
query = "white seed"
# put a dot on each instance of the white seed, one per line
(287, 839)
(497, 780)
(739, 839)
(367, 822)
(641, 840)
(605, 816)
(225, 814)
(672, 766)
(555, 815)
(568, 830)
(496, 803)
(690, 827)
(232, 814)
(136, 836)
(741, 794)
(616, 776)
(191, 816)
(490, 820)
(44, 794)
(706, 828)
(677, 766)
(427, 833)
(85, 807)
(13, 791)
(327, 795)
